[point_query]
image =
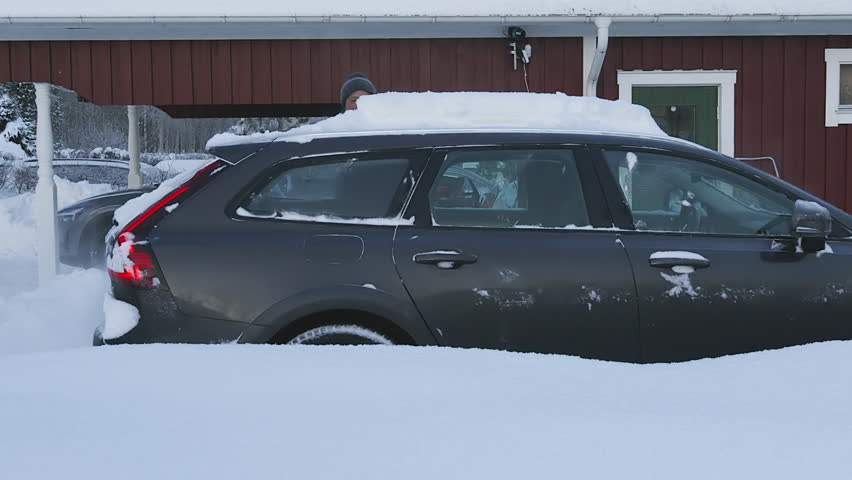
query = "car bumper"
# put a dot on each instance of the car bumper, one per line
(160, 321)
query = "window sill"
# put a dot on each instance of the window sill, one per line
(841, 116)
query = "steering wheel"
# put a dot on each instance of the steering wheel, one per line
(689, 219)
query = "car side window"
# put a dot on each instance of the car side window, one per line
(341, 187)
(508, 188)
(676, 194)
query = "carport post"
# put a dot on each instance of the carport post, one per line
(45, 188)
(134, 176)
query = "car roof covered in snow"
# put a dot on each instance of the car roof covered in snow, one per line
(416, 113)
(443, 115)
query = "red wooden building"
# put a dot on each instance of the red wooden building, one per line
(751, 84)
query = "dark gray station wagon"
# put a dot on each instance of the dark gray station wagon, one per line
(614, 247)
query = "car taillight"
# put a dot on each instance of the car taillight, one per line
(132, 260)
(139, 270)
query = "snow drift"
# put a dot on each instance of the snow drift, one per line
(258, 412)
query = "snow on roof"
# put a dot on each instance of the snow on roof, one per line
(399, 113)
(381, 8)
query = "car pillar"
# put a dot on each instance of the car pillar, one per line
(45, 188)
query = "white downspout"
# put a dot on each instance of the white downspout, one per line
(134, 175)
(45, 188)
(603, 24)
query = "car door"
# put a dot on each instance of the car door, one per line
(515, 264)
(717, 266)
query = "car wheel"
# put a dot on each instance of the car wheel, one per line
(340, 335)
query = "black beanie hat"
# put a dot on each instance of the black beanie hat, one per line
(353, 83)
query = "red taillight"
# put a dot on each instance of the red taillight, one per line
(139, 271)
(132, 261)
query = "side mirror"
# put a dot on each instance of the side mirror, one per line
(811, 225)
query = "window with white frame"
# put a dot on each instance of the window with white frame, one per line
(725, 80)
(838, 86)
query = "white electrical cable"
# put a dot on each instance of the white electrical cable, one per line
(525, 77)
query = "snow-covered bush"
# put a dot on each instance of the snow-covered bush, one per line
(247, 126)
(24, 179)
(110, 153)
(16, 135)
(5, 172)
(71, 153)
(161, 176)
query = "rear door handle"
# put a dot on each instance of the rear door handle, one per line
(445, 259)
(678, 259)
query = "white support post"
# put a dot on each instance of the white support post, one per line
(45, 188)
(134, 175)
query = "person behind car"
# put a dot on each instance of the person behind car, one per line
(355, 86)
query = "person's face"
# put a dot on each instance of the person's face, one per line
(352, 99)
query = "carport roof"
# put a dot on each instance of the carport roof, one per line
(441, 8)
(169, 19)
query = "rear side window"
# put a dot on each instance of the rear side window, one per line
(509, 188)
(347, 188)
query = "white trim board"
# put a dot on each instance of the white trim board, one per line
(834, 114)
(724, 79)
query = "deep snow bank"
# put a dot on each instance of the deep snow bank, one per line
(61, 314)
(239, 411)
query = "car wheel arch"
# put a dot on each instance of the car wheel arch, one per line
(362, 305)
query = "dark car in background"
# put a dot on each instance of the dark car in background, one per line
(97, 170)
(83, 227)
(614, 247)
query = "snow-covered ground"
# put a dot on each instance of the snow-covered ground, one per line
(258, 412)
(59, 315)
(71, 411)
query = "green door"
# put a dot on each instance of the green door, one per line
(685, 112)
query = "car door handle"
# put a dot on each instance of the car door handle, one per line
(445, 259)
(678, 259)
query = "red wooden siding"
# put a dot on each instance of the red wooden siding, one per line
(780, 90)
(780, 99)
(262, 72)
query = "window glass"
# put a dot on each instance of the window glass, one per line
(344, 188)
(846, 84)
(667, 193)
(508, 188)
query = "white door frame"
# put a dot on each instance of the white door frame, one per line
(724, 79)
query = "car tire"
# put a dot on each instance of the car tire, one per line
(340, 334)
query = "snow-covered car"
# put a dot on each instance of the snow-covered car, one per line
(83, 227)
(605, 243)
(97, 170)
